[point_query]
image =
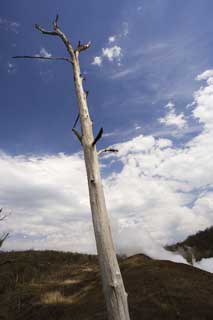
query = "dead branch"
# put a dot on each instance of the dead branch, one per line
(82, 47)
(82, 77)
(78, 135)
(107, 150)
(57, 32)
(98, 137)
(42, 57)
(42, 30)
(76, 121)
(55, 22)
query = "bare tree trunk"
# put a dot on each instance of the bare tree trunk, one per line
(113, 287)
(116, 297)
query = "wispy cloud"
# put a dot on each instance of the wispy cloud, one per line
(44, 53)
(9, 25)
(173, 119)
(11, 68)
(113, 53)
(125, 29)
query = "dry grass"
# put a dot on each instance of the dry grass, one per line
(62, 286)
(55, 297)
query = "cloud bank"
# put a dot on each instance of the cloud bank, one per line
(161, 194)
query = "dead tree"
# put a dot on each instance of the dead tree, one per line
(113, 287)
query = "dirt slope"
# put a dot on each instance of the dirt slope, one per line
(54, 285)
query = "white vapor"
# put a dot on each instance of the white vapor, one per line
(205, 264)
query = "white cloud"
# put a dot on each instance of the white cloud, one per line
(50, 208)
(162, 193)
(97, 61)
(112, 39)
(172, 119)
(11, 68)
(112, 53)
(205, 75)
(44, 53)
(8, 25)
(170, 105)
(109, 53)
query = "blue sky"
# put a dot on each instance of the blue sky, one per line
(167, 45)
(149, 76)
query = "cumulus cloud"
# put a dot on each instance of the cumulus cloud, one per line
(9, 25)
(172, 119)
(206, 75)
(97, 61)
(161, 194)
(112, 53)
(50, 208)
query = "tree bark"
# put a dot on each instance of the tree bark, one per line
(115, 295)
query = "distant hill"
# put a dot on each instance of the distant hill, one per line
(53, 285)
(196, 246)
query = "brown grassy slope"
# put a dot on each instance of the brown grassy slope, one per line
(54, 285)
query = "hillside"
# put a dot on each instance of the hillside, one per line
(61, 286)
(196, 246)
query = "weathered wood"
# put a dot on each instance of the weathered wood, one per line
(98, 137)
(113, 287)
(115, 295)
(100, 152)
(42, 58)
